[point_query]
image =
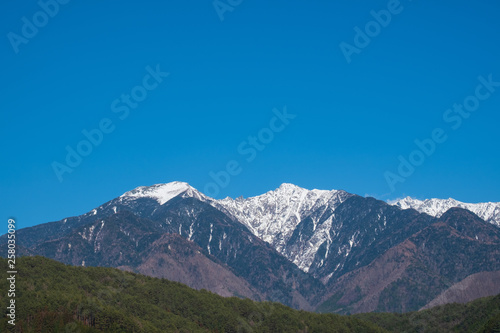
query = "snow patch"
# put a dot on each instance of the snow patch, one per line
(164, 192)
(191, 231)
(210, 238)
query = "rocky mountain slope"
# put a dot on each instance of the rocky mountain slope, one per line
(427, 263)
(275, 216)
(476, 285)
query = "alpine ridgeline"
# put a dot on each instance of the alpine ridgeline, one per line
(329, 251)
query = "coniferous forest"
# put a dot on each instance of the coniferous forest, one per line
(53, 297)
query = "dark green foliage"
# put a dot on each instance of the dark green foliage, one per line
(481, 315)
(493, 325)
(331, 304)
(52, 297)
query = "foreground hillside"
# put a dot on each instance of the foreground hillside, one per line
(481, 316)
(52, 297)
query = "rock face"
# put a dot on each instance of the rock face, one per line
(310, 249)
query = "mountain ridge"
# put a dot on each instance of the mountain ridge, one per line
(488, 211)
(290, 245)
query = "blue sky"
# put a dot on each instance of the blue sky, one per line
(225, 77)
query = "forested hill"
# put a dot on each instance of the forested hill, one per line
(479, 316)
(53, 297)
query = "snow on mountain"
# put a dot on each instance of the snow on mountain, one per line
(279, 217)
(488, 211)
(272, 216)
(164, 192)
(275, 215)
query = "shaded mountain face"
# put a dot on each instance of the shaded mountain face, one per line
(136, 244)
(363, 229)
(429, 262)
(305, 248)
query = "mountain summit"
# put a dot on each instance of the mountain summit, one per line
(274, 217)
(164, 192)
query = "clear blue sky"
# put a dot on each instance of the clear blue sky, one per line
(226, 76)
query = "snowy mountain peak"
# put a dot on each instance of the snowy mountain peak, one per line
(288, 186)
(488, 211)
(274, 216)
(164, 192)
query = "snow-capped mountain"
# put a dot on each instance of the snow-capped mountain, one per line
(488, 211)
(278, 215)
(297, 222)
(275, 215)
(164, 192)
(303, 248)
(146, 200)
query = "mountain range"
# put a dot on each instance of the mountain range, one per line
(488, 211)
(329, 251)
